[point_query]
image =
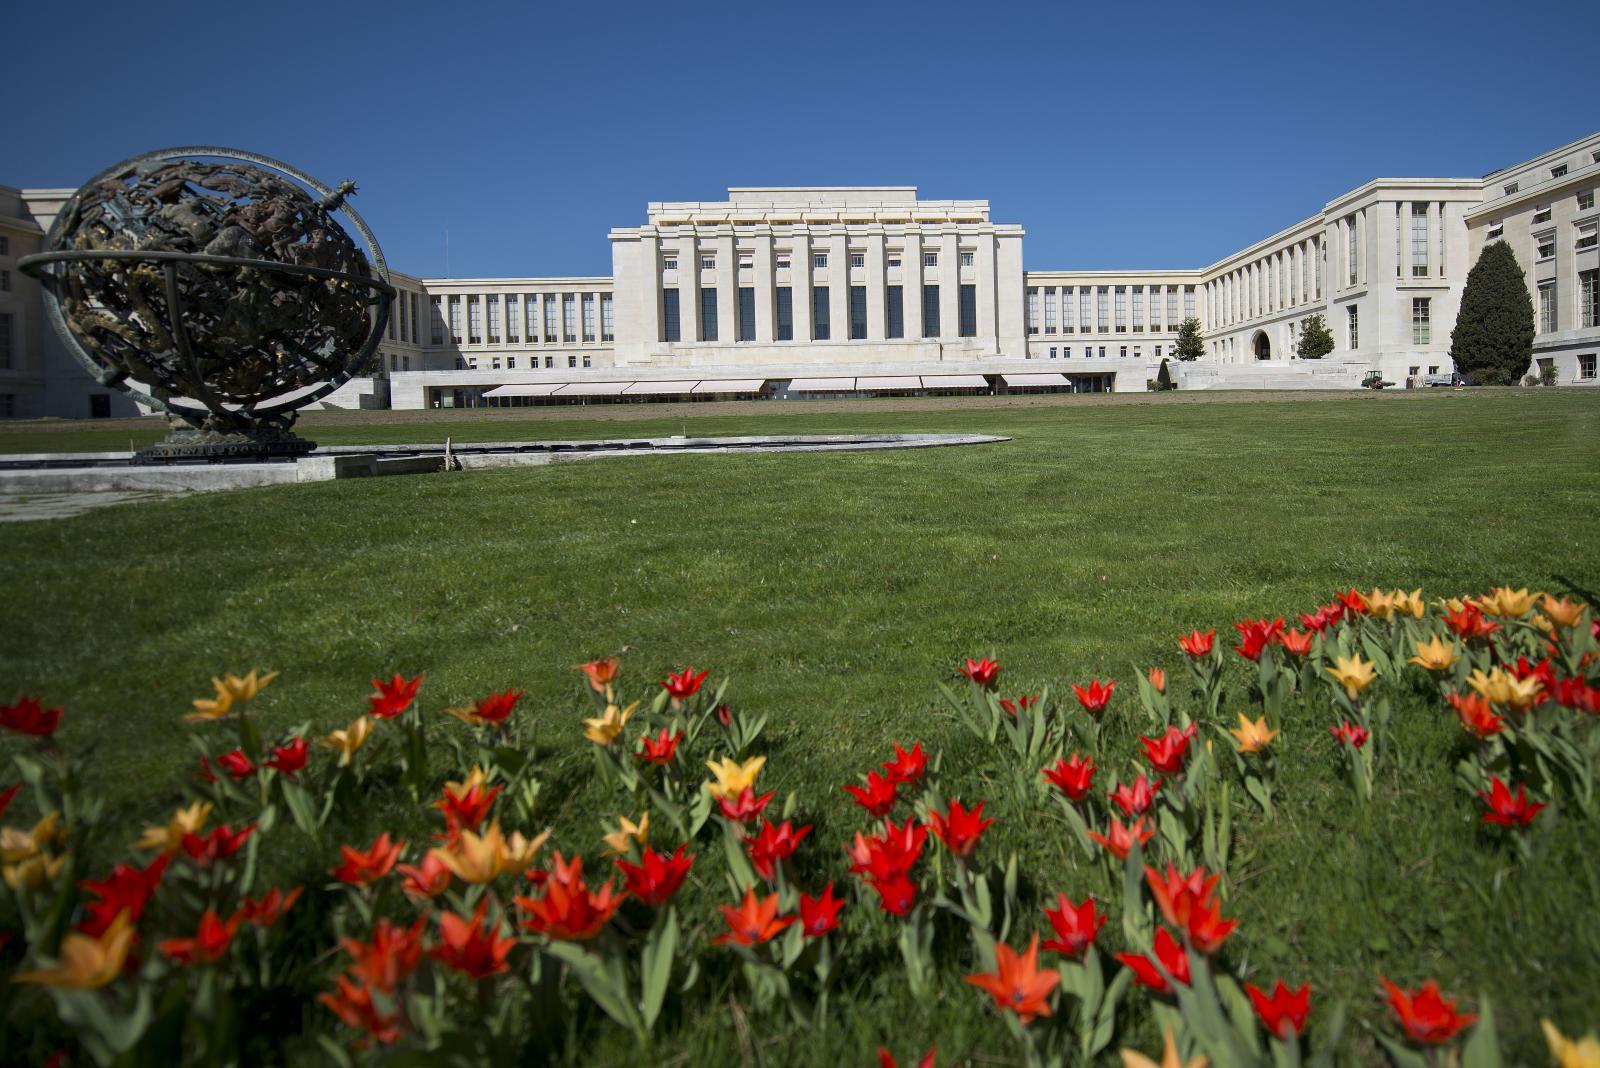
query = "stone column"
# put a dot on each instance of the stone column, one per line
(689, 289)
(911, 284)
(985, 278)
(838, 247)
(727, 285)
(800, 283)
(949, 283)
(766, 298)
(877, 286)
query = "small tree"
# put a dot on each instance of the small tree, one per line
(1164, 378)
(1189, 346)
(1492, 343)
(1316, 340)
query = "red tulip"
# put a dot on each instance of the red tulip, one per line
(393, 697)
(1504, 808)
(288, 759)
(209, 943)
(774, 845)
(1351, 734)
(472, 947)
(1352, 601)
(1075, 926)
(886, 1059)
(204, 772)
(6, 795)
(1284, 1012)
(1168, 753)
(1297, 642)
(1469, 623)
(724, 715)
(1096, 697)
(1135, 800)
(569, 910)
(819, 915)
(1544, 671)
(365, 868)
(660, 749)
(1325, 617)
(1171, 955)
(1476, 714)
(906, 767)
(497, 706)
(1158, 679)
(221, 843)
(1119, 839)
(747, 807)
(877, 797)
(684, 684)
(896, 893)
(466, 811)
(753, 921)
(1017, 983)
(958, 828)
(982, 672)
(428, 880)
(1577, 694)
(601, 673)
(392, 953)
(1176, 894)
(1072, 777)
(236, 764)
(1426, 1016)
(1196, 644)
(29, 716)
(1256, 634)
(656, 879)
(273, 904)
(891, 853)
(354, 1006)
(1021, 704)
(128, 889)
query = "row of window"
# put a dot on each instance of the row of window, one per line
(1282, 280)
(5, 341)
(1588, 303)
(1089, 352)
(821, 313)
(1084, 308)
(781, 261)
(403, 318)
(493, 363)
(1558, 171)
(555, 318)
(1542, 214)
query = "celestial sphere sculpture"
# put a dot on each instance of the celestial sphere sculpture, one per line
(216, 286)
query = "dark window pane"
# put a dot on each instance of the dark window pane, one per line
(895, 307)
(708, 314)
(858, 312)
(669, 315)
(930, 311)
(785, 313)
(819, 313)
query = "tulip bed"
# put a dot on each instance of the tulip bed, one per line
(1341, 865)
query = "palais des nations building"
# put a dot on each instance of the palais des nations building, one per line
(812, 292)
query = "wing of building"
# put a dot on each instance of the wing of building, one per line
(808, 292)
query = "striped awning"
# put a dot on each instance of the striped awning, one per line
(1035, 380)
(660, 388)
(731, 385)
(822, 385)
(890, 382)
(955, 382)
(593, 389)
(524, 389)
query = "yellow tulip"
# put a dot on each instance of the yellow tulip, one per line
(475, 858)
(1569, 1053)
(1353, 673)
(87, 963)
(17, 845)
(37, 871)
(1253, 737)
(1381, 605)
(1132, 1058)
(1500, 687)
(1435, 654)
(604, 730)
(518, 852)
(1505, 601)
(628, 832)
(1562, 613)
(477, 779)
(169, 837)
(1451, 606)
(1409, 604)
(229, 688)
(733, 778)
(349, 740)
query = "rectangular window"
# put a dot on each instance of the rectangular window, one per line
(1068, 306)
(1188, 303)
(1586, 236)
(708, 263)
(747, 313)
(608, 318)
(1123, 354)
(1544, 246)
(474, 321)
(858, 259)
(1122, 309)
(455, 320)
(1138, 309)
(1496, 231)
(893, 260)
(1033, 311)
(1512, 188)
(819, 313)
(416, 315)
(930, 259)
(1102, 310)
(1541, 215)
(1586, 365)
(1559, 170)
(435, 321)
(669, 263)
(511, 363)
(968, 306)
(569, 318)
(1420, 331)
(5, 245)
(930, 311)
(785, 322)
(781, 263)
(1419, 240)
(746, 263)
(1351, 249)
(1586, 200)
(1547, 307)
(5, 341)
(550, 318)
(1589, 298)
(895, 307)
(1050, 310)
(493, 301)
(671, 325)
(819, 260)
(858, 313)
(513, 320)
(1353, 319)
(966, 259)
(708, 314)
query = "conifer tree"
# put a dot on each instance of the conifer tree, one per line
(1164, 378)
(1492, 343)
(1316, 340)
(1189, 346)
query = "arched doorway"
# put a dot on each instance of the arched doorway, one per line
(1261, 346)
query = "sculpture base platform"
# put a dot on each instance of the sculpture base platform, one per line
(188, 444)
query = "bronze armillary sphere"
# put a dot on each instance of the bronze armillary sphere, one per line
(212, 284)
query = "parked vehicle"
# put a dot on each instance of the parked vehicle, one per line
(1454, 378)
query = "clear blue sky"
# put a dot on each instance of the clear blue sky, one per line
(1121, 135)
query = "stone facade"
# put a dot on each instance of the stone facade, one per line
(792, 292)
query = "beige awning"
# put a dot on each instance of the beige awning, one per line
(593, 389)
(955, 382)
(1035, 380)
(731, 385)
(890, 382)
(822, 385)
(524, 389)
(661, 388)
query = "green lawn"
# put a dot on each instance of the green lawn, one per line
(835, 591)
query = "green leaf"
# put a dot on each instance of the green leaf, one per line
(655, 965)
(600, 984)
(1106, 1018)
(1483, 1048)
(1400, 1055)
